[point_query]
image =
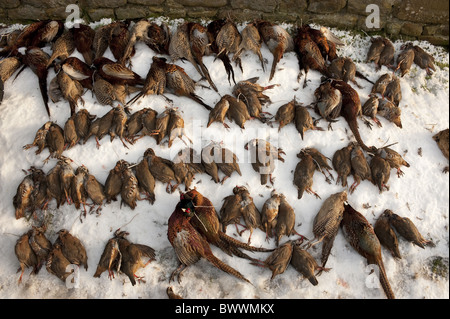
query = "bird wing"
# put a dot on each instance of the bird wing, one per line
(73, 73)
(118, 70)
(144, 250)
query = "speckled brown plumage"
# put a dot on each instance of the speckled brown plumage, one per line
(342, 164)
(188, 244)
(361, 236)
(408, 230)
(25, 255)
(386, 234)
(326, 223)
(72, 248)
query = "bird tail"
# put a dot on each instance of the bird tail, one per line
(354, 129)
(224, 267)
(73, 106)
(43, 87)
(134, 99)
(239, 244)
(277, 54)
(228, 68)
(2, 91)
(385, 282)
(327, 244)
(207, 75)
(98, 272)
(197, 99)
(361, 76)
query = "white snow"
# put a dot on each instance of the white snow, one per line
(422, 194)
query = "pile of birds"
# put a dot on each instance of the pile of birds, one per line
(81, 126)
(194, 224)
(75, 186)
(33, 249)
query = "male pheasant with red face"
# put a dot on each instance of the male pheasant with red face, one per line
(189, 245)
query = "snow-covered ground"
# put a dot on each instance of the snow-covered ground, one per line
(422, 194)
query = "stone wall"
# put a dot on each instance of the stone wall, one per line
(425, 20)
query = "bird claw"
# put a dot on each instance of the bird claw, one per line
(330, 127)
(368, 124)
(140, 279)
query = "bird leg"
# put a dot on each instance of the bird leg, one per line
(167, 99)
(309, 244)
(47, 159)
(178, 273)
(322, 269)
(246, 228)
(28, 146)
(21, 274)
(384, 186)
(354, 185)
(69, 200)
(267, 237)
(139, 279)
(271, 179)
(223, 180)
(123, 143)
(400, 172)
(270, 87)
(226, 125)
(98, 143)
(302, 238)
(305, 84)
(310, 191)
(369, 125)
(110, 274)
(134, 138)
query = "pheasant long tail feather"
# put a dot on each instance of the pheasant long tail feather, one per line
(197, 99)
(361, 76)
(134, 99)
(354, 129)
(1, 91)
(224, 267)
(326, 249)
(385, 282)
(242, 245)
(207, 76)
(228, 68)
(43, 87)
